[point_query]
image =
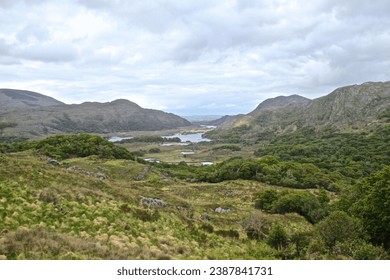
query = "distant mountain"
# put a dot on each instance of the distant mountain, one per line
(357, 107)
(268, 104)
(280, 102)
(11, 99)
(45, 116)
(224, 121)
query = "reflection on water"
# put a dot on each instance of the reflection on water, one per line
(190, 137)
(186, 139)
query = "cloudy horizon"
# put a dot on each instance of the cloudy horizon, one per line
(192, 57)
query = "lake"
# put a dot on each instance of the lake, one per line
(189, 137)
(185, 139)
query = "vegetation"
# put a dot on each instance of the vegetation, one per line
(101, 203)
(350, 154)
(150, 139)
(266, 169)
(68, 146)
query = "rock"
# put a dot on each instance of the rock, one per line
(152, 202)
(101, 176)
(205, 217)
(52, 161)
(222, 210)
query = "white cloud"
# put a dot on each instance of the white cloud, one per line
(192, 57)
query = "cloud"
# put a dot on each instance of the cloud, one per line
(192, 56)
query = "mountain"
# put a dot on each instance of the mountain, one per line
(280, 102)
(224, 121)
(11, 99)
(268, 104)
(42, 115)
(351, 108)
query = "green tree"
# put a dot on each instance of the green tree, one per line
(277, 237)
(371, 203)
(339, 227)
(266, 199)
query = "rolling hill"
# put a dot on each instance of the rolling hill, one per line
(35, 114)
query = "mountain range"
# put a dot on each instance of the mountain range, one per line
(35, 114)
(352, 108)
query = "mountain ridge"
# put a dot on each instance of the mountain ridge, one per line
(349, 108)
(50, 116)
(13, 99)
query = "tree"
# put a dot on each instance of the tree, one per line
(372, 206)
(339, 227)
(266, 199)
(278, 237)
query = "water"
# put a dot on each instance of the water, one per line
(117, 138)
(185, 139)
(190, 137)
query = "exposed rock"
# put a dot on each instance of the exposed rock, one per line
(143, 174)
(205, 217)
(355, 107)
(52, 161)
(222, 210)
(152, 202)
(99, 175)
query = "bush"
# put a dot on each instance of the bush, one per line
(207, 227)
(146, 215)
(231, 233)
(339, 227)
(266, 199)
(277, 237)
(154, 151)
(256, 226)
(80, 145)
(303, 203)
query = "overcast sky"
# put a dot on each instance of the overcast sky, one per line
(192, 56)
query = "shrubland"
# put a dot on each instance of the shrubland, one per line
(99, 201)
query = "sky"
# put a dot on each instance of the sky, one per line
(192, 57)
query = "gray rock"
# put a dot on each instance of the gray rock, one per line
(52, 161)
(205, 217)
(152, 202)
(222, 210)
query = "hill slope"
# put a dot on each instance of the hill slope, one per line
(13, 99)
(358, 107)
(46, 117)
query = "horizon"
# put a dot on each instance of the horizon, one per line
(192, 58)
(195, 115)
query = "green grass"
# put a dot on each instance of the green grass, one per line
(64, 212)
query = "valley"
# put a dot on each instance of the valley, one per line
(259, 188)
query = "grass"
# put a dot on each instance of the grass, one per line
(67, 212)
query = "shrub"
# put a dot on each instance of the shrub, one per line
(277, 237)
(146, 215)
(303, 203)
(265, 199)
(80, 145)
(338, 227)
(207, 227)
(154, 151)
(228, 233)
(256, 226)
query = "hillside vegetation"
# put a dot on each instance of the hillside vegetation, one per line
(36, 115)
(82, 197)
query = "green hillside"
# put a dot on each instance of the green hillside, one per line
(81, 197)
